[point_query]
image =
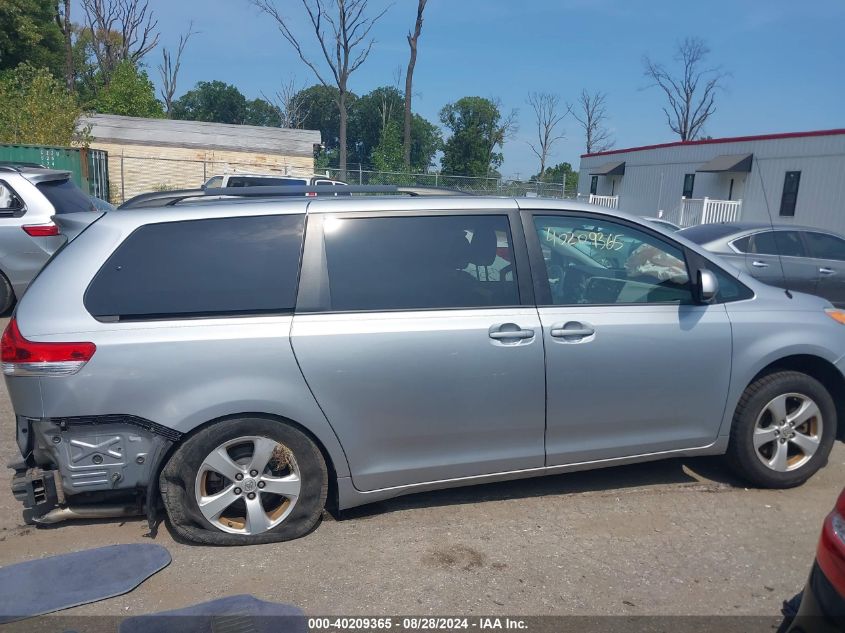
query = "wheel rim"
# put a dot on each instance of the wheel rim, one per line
(788, 432)
(248, 485)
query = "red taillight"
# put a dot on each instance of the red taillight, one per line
(28, 358)
(311, 194)
(41, 230)
(831, 552)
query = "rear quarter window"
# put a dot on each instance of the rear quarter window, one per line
(65, 196)
(197, 268)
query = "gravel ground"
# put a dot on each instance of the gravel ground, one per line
(668, 538)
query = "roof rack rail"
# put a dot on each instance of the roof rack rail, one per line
(174, 197)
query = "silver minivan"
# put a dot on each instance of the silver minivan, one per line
(251, 361)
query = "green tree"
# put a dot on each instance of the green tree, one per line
(262, 112)
(478, 130)
(212, 101)
(368, 117)
(560, 173)
(319, 106)
(36, 108)
(426, 141)
(29, 33)
(388, 155)
(130, 93)
(371, 114)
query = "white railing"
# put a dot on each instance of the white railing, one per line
(693, 211)
(611, 202)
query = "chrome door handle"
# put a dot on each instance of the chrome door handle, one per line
(826, 271)
(517, 334)
(758, 264)
(582, 331)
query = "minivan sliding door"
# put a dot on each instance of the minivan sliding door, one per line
(412, 334)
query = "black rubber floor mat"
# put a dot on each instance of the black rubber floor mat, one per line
(233, 614)
(68, 580)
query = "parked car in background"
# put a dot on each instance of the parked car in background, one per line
(269, 180)
(666, 224)
(792, 257)
(247, 358)
(822, 603)
(29, 197)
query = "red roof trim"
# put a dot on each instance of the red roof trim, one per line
(713, 141)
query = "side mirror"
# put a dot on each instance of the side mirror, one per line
(708, 286)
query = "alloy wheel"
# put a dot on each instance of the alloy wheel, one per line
(788, 432)
(248, 485)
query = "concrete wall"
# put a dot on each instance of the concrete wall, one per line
(654, 178)
(135, 169)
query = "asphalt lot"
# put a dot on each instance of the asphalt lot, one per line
(672, 537)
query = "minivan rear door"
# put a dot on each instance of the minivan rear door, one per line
(418, 336)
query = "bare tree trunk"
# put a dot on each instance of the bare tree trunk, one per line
(691, 93)
(591, 114)
(67, 31)
(169, 70)
(344, 41)
(120, 30)
(547, 114)
(341, 106)
(409, 80)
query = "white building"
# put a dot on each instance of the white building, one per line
(797, 177)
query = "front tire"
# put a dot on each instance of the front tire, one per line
(783, 430)
(245, 481)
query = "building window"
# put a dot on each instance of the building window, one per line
(594, 184)
(689, 183)
(790, 193)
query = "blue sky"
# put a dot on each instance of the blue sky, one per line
(786, 59)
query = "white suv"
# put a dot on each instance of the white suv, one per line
(267, 180)
(29, 197)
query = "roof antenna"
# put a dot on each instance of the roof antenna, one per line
(774, 233)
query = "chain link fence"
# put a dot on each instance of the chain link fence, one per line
(132, 175)
(480, 185)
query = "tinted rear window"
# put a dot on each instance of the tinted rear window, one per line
(407, 263)
(65, 196)
(704, 233)
(221, 266)
(783, 243)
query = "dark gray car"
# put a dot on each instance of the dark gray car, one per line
(794, 257)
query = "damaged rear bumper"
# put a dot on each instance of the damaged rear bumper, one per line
(77, 467)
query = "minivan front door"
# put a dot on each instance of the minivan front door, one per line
(633, 367)
(411, 333)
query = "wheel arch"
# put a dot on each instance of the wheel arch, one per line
(822, 370)
(331, 499)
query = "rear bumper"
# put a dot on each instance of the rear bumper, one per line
(86, 458)
(822, 607)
